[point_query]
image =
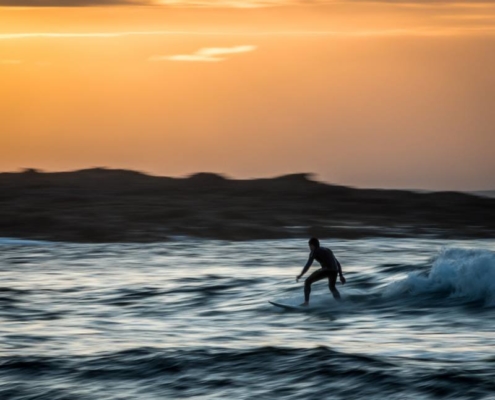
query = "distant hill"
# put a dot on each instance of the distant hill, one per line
(108, 205)
(485, 193)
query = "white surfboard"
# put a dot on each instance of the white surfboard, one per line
(319, 301)
(288, 306)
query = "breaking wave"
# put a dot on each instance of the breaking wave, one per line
(462, 274)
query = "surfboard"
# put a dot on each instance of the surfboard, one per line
(292, 307)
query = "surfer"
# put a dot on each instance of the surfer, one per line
(330, 267)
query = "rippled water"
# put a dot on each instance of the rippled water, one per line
(191, 319)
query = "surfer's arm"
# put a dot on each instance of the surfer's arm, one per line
(339, 268)
(306, 267)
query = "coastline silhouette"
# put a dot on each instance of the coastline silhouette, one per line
(109, 205)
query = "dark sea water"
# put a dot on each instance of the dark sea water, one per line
(191, 319)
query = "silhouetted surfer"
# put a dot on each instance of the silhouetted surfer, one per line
(330, 267)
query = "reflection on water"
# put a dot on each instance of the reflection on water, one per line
(190, 318)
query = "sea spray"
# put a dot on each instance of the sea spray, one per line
(455, 273)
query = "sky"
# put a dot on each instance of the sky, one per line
(391, 94)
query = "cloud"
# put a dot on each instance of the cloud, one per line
(216, 51)
(276, 3)
(187, 57)
(200, 56)
(229, 3)
(164, 3)
(207, 54)
(70, 3)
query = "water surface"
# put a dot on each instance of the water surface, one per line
(191, 319)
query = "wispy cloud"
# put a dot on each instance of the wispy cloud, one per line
(419, 31)
(309, 3)
(225, 3)
(207, 54)
(70, 3)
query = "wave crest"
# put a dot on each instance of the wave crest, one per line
(455, 273)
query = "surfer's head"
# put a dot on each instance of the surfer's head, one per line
(314, 243)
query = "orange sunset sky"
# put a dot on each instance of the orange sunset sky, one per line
(364, 93)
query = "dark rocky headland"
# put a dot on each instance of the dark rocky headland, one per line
(104, 205)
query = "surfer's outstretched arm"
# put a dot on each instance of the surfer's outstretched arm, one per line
(306, 267)
(341, 274)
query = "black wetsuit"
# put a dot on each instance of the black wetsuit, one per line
(330, 268)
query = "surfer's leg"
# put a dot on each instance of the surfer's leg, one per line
(315, 276)
(332, 279)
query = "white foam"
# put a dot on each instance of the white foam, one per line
(459, 273)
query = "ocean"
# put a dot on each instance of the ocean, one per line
(190, 319)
